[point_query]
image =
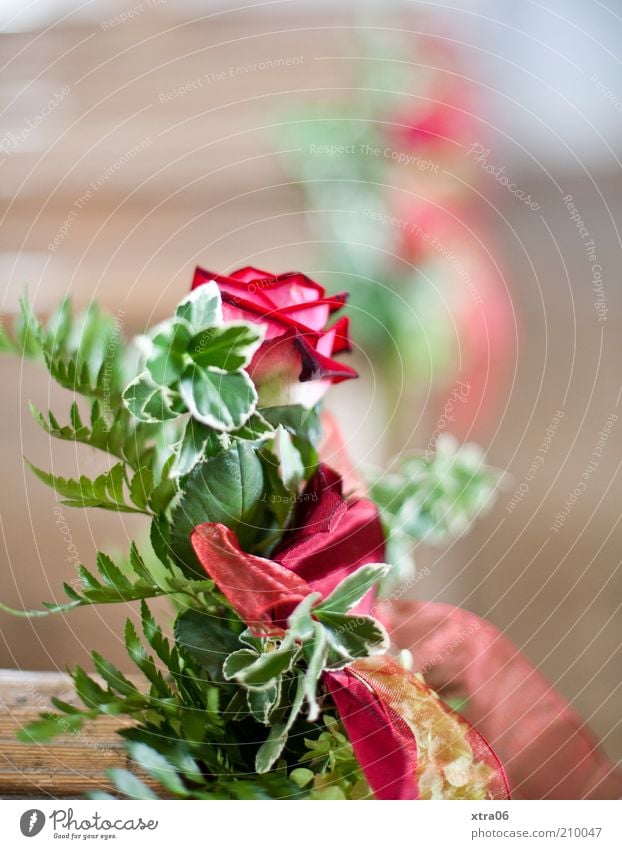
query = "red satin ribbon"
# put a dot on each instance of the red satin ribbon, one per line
(546, 748)
(409, 744)
(263, 592)
(383, 744)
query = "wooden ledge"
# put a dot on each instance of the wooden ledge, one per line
(70, 765)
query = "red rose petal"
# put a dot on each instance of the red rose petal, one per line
(330, 537)
(233, 287)
(249, 273)
(316, 366)
(236, 308)
(336, 339)
(293, 288)
(314, 314)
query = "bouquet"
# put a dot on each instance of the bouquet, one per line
(274, 674)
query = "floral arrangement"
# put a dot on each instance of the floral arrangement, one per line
(277, 677)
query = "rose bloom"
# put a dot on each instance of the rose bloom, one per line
(329, 538)
(294, 364)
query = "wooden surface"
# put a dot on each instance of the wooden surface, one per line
(70, 765)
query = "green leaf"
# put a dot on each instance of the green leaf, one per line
(166, 361)
(261, 703)
(190, 448)
(201, 308)
(158, 767)
(48, 727)
(301, 776)
(266, 667)
(247, 638)
(29, 331)
(164, 367)
(290, 467)
(315, 666)
(105, 491)
(222, 400)
(161, 495)
(237, 661)
(160, 539)
(8, 344)
(60, 325)
(141, 487)
(197, 443)
(207, 639)
(89, 580)
(297, 419)
(110, 573)
(130, 785)
(149, 402)
(305, 428)
(143, 661)
(89, 690)
(89, 341)
(75, 376)
(279, 501)
(350, 637)
(115, 432)
(330, 794)
(138, 564)
(154, 636)
(118, 588)
(115, 679)
(35, 614)
(434, 497)
(300, 622)
(82, 352)
(353, 588)
(230, 347)
(224, 489)
(256, 429)
(24, 338)
(270, 750)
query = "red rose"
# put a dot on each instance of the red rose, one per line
(329, 539)
(294, 364)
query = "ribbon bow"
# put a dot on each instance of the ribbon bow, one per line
(408, 743)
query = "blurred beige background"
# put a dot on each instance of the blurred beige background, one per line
(166, 114)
